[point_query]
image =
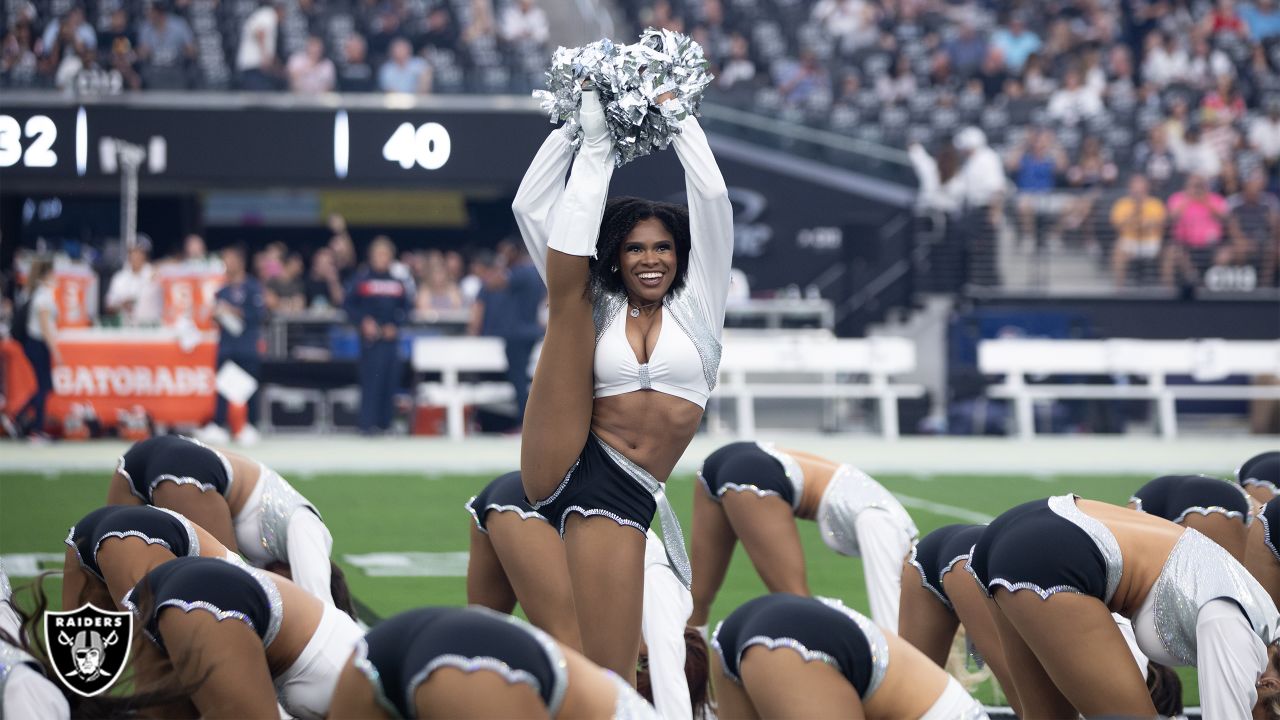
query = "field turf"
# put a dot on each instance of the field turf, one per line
(423, 513)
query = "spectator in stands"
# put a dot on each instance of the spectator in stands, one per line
(1155, 160)
(439, 31)
(738, 68)
(257, 61)
(286, 293)
(117, 43)
(1038, 82)
(851, 23)
(1074, 101)
(508, 306)
(1035, 165)
(80, 60)
(18, 63)
(311, 72)
(117, 29)
(1138, 220)
(378, 303)
(1120, 78)
(402, 72)
(900, 85)
(800, 80)
(134, 292)
(1224, 19)
(993, 73)
(481, 27)
(239, 308)
(1262, 19)
(1224, 101)
(1197, 217)
(1015, 42)
(165, 44)
(967, 49)
(1254, 222)
(196, 254)
(1264, 136)
(1088, 176)
(355, 73)
(1164, 61)
(438, 291)
(1206, 63)
(525, 22)
(39, 338)
(344, 255)
(71, 29)
(324, 288)
(978, 189)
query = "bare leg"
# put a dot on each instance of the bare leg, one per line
(118, 492)
(125, 560)
(1094, 672)
(1230, 533)
(452, 693)
(975, 611)
(768, 533)
(1038, 697)
(713, 542)
(534, 559)
(732, 702)
(782, 685)
(353, 697)
(487, 583)
(557, 417)
(224, 659)
(207, 509)
(80, 587)
(924, 621)
(606, 567)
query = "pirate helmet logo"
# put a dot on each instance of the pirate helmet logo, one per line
(88, 647)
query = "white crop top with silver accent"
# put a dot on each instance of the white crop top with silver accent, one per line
(686, 357)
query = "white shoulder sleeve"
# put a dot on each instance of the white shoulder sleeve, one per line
(710, 222)
(309, 545)
(667, 606)
(1230, 659)
(575, 221)
(538, 195)
(28, 694)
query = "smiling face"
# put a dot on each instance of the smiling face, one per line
(647, 261)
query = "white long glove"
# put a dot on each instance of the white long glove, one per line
(575, 225)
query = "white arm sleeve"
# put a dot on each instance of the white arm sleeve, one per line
(309, 545)
(1230, 659)
(28, 694)
(538, 195)
(710, 222)
(575, 220)
(667, 606)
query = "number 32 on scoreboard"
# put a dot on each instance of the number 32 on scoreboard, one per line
(428, 146)
(41, 132)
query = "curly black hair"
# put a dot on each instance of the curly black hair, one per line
(621, 214)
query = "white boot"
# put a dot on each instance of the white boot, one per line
(213, 434)
(248, 435)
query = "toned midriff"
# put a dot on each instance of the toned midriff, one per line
(818, 472)
(911, 684)
(1145, 543)
(650, 428)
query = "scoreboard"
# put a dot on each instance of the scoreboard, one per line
(360, 142)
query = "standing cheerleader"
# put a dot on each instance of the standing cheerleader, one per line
(1218, 509)
(787, 656)
(475, 663)
(1260, 476)
(753, 492)
(636, 293)
(1058, 568)
(515, 555)
(240, 637)
(247, 506)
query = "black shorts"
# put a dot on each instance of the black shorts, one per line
(504, 494)
(174, 458)
(1270, 519)
(936, 553)
(400, 653)
(225, 589)
(1030, 547)
(1262, 470)
(816, 629)
(1173, 497)
(596, 485)
(157, 526)
(745, 466)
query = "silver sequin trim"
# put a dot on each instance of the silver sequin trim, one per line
(559, 666)
(226, 463)
(370, 671)
(122, 534)
(790, 467)
(1266, 532)
(672, 535)
(475, 517)
(790, 643)
(1137, 503)
(719, 651)
(951, 565)
(705, 485)
(469, 665)
(273, 597)
(705, 338)
(538, 505)
(642, 373)
(1198, 571)
(6, 590)
(849, 493)
(219, 613)
(128, 480)
(524, 514)
(924, 579)
(1065, 507)
(876, 643)
(182, 480)
(968, 567)
(193, 540)
(280, 501)
(1210, 510)
(746, 487)
(594, 512)
(1044, 593)
(1254, 482)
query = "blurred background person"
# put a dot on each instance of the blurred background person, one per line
(36, 328)
(240, 308)
(323, 287)
(134, 293)
(256, 60)
(1138, 220)
(377, 304)
(310, 71)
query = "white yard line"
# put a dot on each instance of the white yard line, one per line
(938, 508)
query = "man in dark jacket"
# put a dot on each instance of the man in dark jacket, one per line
(377, 303)
(240, 309)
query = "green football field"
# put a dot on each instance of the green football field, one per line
(423, 514)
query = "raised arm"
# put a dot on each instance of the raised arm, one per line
(710, 222)
(539, 192)
(575, 221)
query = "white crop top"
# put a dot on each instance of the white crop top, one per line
(686, 357)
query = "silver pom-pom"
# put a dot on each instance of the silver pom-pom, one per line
(630, 79)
